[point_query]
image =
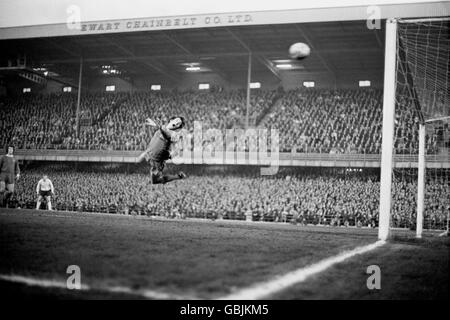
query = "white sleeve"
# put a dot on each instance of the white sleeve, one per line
(38, 186)
(51, 186)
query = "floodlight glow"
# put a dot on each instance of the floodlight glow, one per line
(364, 83)
(284, 66)
(203, 86)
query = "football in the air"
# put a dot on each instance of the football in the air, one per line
(299, 50)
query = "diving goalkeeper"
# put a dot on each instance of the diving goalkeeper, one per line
(158, 151)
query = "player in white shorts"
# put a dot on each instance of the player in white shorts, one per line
(44, 190)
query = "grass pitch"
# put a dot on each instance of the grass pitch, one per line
(202, 259)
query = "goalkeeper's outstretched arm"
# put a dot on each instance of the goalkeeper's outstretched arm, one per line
(157, 123)
(152, 123)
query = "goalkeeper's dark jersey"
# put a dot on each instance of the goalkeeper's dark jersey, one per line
(159, 147)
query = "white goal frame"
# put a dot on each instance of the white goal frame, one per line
(389, 101)
(387, 142)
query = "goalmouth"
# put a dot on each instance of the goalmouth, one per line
(415, 122)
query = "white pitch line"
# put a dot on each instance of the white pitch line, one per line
(46, 283)
(443, 233)
(254, 292)
(150, 294)
(38, 282)
(264, 289)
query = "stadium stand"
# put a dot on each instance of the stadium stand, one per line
(326, 196)
(329, 121)
(309, 120)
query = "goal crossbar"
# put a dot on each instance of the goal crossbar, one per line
(423, 19)
(437, 119)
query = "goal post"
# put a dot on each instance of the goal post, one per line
(415, 153)
(388, 129)
(420, 181)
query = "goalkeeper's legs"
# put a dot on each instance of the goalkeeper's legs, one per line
(167, 177)
(157, 176)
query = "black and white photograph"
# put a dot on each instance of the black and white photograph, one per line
(224, 155)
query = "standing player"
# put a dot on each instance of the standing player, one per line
(44, 190)
(9, 168)
(158, 151)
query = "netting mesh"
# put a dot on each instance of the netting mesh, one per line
(422, 96)
(424, 55)
(437, 175)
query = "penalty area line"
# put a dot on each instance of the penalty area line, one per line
(264, 289)
(46, 283)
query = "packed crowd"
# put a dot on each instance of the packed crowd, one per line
(343, 121)
(329, 121)
(331, 197)
(36, 121)
(49, 121)
(309, 120)
(123, 127)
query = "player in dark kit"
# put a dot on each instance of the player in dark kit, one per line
(158, 151)
(9, 171)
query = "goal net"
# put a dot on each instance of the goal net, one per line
(420, 166)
